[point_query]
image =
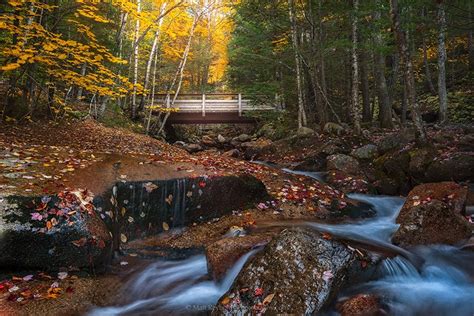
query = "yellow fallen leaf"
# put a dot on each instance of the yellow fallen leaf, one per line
(166, 227)
(123, 238)
(268, 299)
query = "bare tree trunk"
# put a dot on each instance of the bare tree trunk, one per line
(364, 73)
(135, 62)
(385, 106)
(443, 95)
(294, 37)
(407, 70)
(355, 110)
(152, 101)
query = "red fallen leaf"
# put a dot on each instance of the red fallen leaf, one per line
(202, 184)
(69, 289)
(80, 243)
(364, 264)
(327, 236)
(12, 298)
(258, 291)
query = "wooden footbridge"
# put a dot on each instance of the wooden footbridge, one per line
(212, 108)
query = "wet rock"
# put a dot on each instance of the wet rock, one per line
(52, 232)
(148, 208)
(433, 214)
(361, 305)
(343, 163)
(234, 153)
(366, 152)
(221, 139)
(298, 273)
(458, 167)
(193, 148)
(349, 183)
(223, 254)
(305, 131)
(243, 138)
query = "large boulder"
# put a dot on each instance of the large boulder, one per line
(147, 208)
(366, 152)
(298, 273)
(51, 232)
(458, 167)
(433, 214)
(343, 163)
(224, 253)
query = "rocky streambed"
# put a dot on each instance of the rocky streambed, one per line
(222, 245)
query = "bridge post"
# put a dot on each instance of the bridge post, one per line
(203, 105)
(240, 104)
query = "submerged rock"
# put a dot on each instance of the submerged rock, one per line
(52, 232)
(298, 273)
(433, 214)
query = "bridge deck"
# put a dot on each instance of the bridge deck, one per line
(211, 109)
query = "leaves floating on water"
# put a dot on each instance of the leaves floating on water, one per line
(150, 187)
(166, 227)
(123, 238)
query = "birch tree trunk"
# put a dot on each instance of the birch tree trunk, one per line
(153, 49)
(355, 110)
(443, 95)
(385, 106)
(80, 89)
(135, 63)
(407, 64)
(294, 37)
(178, 78)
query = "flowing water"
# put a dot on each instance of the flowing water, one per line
(174, 287)
(428, 280)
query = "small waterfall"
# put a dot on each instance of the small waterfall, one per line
(399, 268)
(174, 287)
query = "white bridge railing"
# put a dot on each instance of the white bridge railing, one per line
(212, 103)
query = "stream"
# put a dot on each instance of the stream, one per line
(426, 280)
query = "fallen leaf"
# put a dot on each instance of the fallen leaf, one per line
(166, 227)
(268, 299)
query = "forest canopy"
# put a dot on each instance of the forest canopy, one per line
(356, 62)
